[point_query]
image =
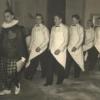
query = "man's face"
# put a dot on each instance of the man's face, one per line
(89, 24)
(8, 17)
(38, 19)
(57, 20)
(75, 21)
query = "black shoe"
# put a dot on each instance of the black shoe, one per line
(47, 84)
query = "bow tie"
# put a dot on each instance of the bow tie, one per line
(57, 26)
(37, 25)
(73, 25)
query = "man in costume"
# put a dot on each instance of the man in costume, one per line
(57, 51)
(13, 53)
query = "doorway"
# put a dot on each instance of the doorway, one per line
(55, 7)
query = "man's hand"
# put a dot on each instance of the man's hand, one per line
(38, 49)
(20, 64)
(74, 49)
(57, 52)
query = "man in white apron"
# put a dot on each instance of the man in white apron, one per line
(57, 51)
(97, 42)
(75, 52)
(88, 46)
(38, 47)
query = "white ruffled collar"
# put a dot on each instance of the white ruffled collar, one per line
(11, 24)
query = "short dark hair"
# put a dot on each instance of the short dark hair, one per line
(59, 15)
(90, 20)
(9, 11)
(76, 16)
(39, 14)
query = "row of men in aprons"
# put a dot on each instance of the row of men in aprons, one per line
(56, 50)
(62, 48)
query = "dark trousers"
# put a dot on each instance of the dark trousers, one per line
(12, 81)
(70, 62)
(54, 67)
(92, 58)
(31, 70)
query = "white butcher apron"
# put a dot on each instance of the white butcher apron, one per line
(97, 39)
(39, 38)
(75, 32)
(59, 40)
(89, 39)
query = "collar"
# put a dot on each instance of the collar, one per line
(59, 25)
(11, 24)
(77, 25)
(38, 25)
(73, 25)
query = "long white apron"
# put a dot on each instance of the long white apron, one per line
(74, 38)
(89, 39)
(61, 58)
(97, 39)
(58, 39)
(38, 38)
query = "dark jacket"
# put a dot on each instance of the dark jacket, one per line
(12, 42)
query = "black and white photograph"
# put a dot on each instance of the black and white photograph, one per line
(49, 49)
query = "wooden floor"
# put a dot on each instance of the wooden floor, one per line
(85, 88)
